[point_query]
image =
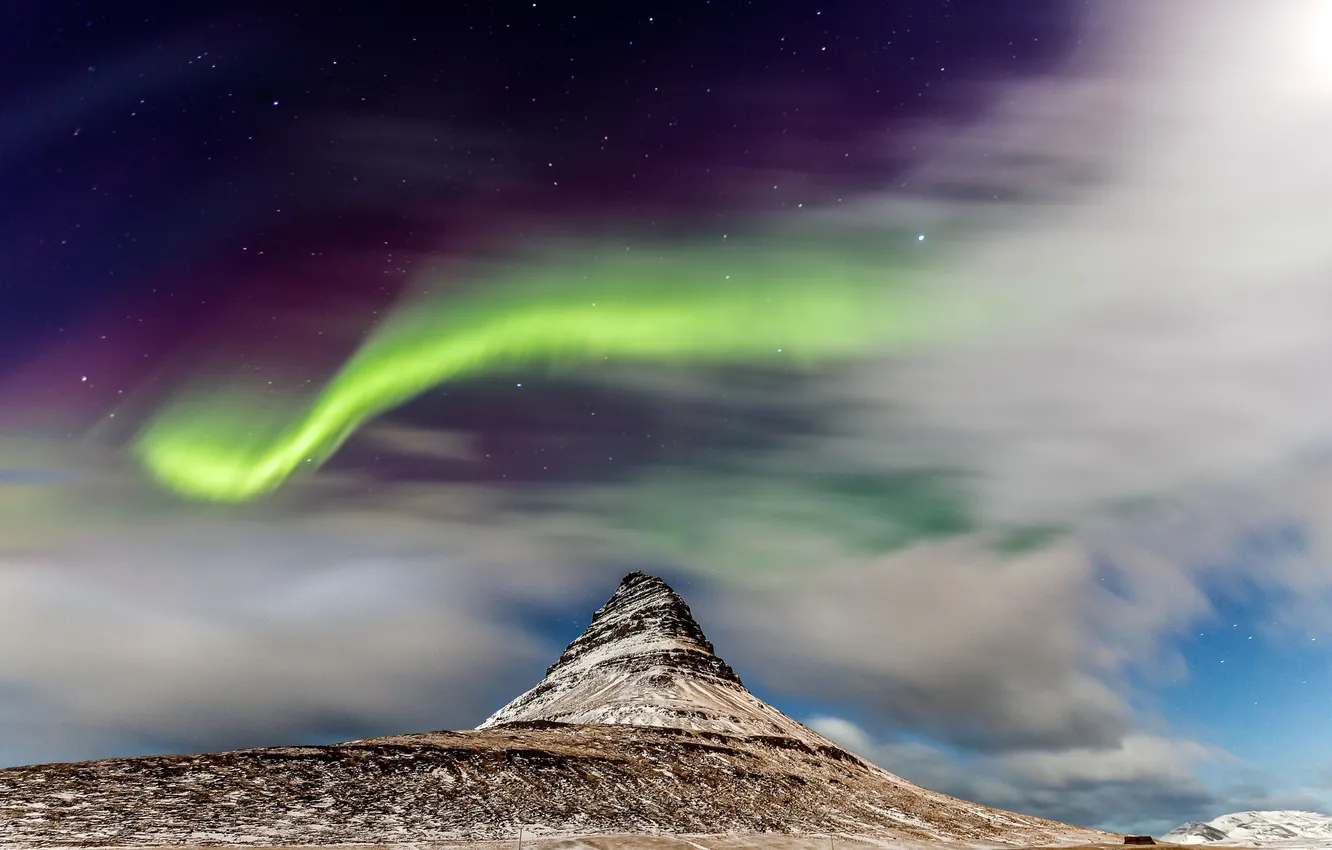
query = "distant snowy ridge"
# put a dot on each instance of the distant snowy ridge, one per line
(1284, 829)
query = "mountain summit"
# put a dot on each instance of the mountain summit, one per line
(645, 625)
(638, 728)
(644, 661)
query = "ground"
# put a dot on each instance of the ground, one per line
(664, 842)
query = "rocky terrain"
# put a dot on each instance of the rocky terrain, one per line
(639, 728)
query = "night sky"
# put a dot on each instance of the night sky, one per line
(962, 362)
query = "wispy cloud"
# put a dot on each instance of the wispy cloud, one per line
(1145, 784)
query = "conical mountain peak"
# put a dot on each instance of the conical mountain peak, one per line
(645, 624)
(644, 661)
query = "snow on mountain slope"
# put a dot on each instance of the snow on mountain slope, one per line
(1194, 832)
(1285, 829)
(639, 728)
(644, 661)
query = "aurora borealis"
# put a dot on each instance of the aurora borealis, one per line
(963, 363)
(775, 304)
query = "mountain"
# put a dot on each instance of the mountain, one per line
(1258, 829)
(1194, 832)
(644, 661)
(638, 728)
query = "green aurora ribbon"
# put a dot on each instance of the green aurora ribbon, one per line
(761, 302)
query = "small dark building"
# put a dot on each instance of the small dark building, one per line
(1139, 839)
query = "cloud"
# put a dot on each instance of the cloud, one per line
(979, 649)
(233, 633)
(1169, 311)
(1136, 758)
(1144, 784)
(1249, 790)
(28, 476)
